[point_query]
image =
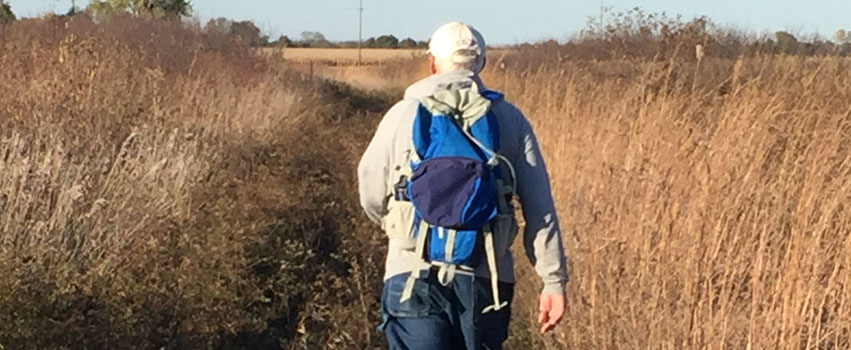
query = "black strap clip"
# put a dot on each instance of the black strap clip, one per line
(400, 189)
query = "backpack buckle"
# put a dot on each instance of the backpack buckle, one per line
(400, 190)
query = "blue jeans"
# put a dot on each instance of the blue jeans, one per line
(441, 317)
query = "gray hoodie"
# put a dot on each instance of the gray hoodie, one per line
(542, 237)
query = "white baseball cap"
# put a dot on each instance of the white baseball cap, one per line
(457, 42)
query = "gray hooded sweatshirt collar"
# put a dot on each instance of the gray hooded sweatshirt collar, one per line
(443, 81)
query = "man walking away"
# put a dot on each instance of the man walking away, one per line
(439, 177)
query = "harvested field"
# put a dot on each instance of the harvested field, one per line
(342, 56)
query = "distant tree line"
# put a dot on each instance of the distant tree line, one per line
(150, 8)
(245, 31)
(248, 33)
(630, 33)
(318, 40)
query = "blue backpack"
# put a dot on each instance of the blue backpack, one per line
(456, 184)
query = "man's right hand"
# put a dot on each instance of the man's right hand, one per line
(551, 309)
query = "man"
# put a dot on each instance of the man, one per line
(455, 315)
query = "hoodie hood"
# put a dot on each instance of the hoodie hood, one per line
(458, 79)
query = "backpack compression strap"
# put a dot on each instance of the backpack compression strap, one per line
(415, 263)
(447, 272)
(491, 253)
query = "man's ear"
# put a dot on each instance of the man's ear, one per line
(431, 64)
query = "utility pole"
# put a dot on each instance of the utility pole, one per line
(360, 33)
(602, 26)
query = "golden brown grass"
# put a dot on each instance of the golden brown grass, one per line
(702, 206)
(157, 193)
(699, 214)
(348, 56)
(161, 193)
(341, 56)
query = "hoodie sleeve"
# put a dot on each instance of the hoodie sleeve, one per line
(374, 167)
(542, 238)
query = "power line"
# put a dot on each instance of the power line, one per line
(360, 33)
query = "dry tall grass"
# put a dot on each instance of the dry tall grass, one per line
(703, 205)
(159, 193)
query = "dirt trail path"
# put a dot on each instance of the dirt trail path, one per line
(366, 78)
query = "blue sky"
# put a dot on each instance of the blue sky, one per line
(501, 21)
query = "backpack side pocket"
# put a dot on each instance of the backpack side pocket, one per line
(399, 223)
